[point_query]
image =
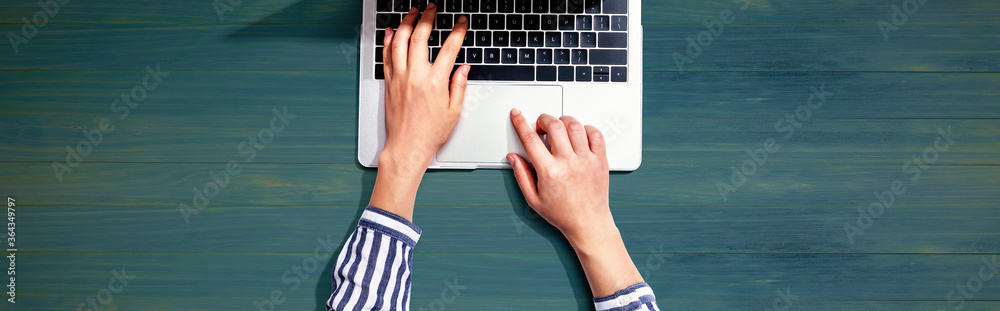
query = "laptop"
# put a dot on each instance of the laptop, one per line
(562, 57)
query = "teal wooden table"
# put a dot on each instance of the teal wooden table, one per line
(711, 223)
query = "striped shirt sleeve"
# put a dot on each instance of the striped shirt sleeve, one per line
(639, 296)
(373, 268)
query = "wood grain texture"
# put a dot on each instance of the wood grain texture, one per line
(781, 230)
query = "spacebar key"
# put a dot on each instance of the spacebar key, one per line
(502, 73)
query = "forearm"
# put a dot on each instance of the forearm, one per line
(397, 182)
(606, 262)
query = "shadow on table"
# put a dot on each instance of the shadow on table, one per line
(326, 21)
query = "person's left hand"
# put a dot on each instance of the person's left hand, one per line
(421, 106)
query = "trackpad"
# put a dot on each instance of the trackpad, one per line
(484, 133)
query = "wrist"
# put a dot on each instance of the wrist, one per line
(595, 239)
(403, 163)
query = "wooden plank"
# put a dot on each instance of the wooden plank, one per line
(748, 95)
(334, 47)
(946, 229)
(961, 12)
(344, 184)
(237, 279)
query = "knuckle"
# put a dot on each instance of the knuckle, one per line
(530, 138)
(555, 124)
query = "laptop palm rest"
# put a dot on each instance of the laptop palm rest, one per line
(484, 133)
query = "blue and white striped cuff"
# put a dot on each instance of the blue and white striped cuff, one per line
(634, 297)
(390, 224)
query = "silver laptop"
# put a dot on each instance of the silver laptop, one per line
(562, 57)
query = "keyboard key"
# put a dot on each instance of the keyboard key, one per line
(600, 77)
(419, 4)
(540, 6)
(544, 56)
(378, 54)
(379, 73)
(383, 6)
(383, 20)
(545, 73)
(487, 6)
(460, 58)
(571, 39)
(553, 39)
(601, 22)
(444, 21)
(601, 70)
(608, 57)
(579, 56)
(566, 22)
(508, 56)
(379, 37)
(592, 6)
(484, 38)
(522, 6)
(471, 6)
(566, 73)
(619, 74)
(557, 6)
(497, 22)
(454, 6)
(616, 6)
(550, 22)
(401, 5)
(491, 56)
(434, 39)
(619, 22)
(561, 56)
(574, 6)
(434, 54)
(536, 38)
(526, 56)
(513, 22)
(470, 38)
(501, 38)
(531, 22)
(588, 39)
(518, 38)
(612, 40)
(584, 22)
(582, 73)
(502, 73)
(480, 21)
(444, 36)
(474, 55)
(505, 6)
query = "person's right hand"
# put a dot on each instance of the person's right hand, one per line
(569, 187)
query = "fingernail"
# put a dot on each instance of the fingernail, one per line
(413, 10)
(510, 158)
(515, 112)
(461, 19)
(465, 69)
(430, 6)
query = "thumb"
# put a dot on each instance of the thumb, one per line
(459, 80)
(525, 178)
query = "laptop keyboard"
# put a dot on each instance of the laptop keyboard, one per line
(525, 40)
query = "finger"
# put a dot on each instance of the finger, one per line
(556, 131)
(577, 134)
(452, 45)
(401, 40)
(387, 53)
(596, 139)
(418, 40)
(532, 143)
(525, 178)
(459, 81)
